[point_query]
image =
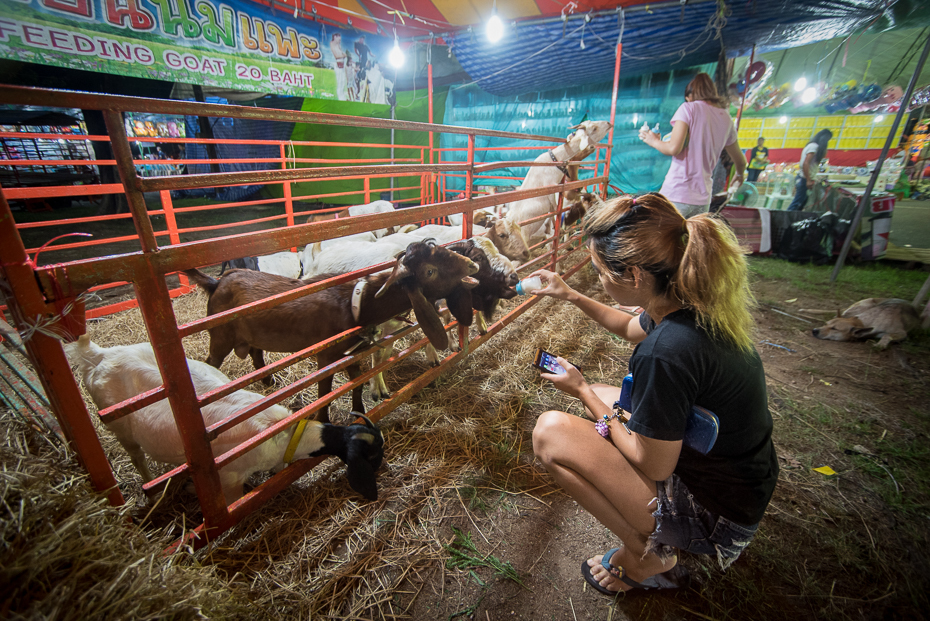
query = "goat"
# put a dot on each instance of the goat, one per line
(114, 374)
(579, 208)
(587, 134)
(481, 217)
(281, 263)
(312, 251)
(887, 319)
(423, 274)
(349, 256)
(245, 263)
(359, 210)
(504, 234)
(496, 278)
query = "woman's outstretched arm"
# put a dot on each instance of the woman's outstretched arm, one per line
(621, 323)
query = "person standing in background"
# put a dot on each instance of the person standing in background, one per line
(364, 62)
(758, 160)
(811, 157)
(339, 55)
(701, 129)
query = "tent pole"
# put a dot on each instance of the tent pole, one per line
(867, 197)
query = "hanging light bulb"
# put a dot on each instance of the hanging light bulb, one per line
(495, 29)
(801, 84)
(396, 57)
(878, 119)
(782, 119)
(809, 95)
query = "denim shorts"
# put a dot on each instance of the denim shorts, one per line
(682, 523)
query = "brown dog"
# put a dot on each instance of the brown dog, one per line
(887, 319)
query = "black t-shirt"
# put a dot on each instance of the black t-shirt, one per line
(758, 152)
(678, 365)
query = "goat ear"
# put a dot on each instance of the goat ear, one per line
(400, 271)
(585, 141)
(428, 319)
(460, 305)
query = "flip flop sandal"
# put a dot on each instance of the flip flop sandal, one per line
(675, 578)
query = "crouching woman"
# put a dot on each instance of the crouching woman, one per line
(694, 347)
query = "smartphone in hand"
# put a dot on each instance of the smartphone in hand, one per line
(546, 362)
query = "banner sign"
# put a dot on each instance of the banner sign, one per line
(206, 42)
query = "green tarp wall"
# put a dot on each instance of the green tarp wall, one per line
(411, 106)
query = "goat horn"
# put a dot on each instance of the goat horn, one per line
(368, 422)
(400, 271)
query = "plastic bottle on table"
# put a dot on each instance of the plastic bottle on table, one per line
(529, 285)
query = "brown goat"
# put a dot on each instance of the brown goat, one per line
(423, 274)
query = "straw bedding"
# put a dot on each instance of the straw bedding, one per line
(317, 549)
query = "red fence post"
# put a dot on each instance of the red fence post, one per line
(429, 95)
(45, 352)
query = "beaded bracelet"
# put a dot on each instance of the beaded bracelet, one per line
(602, 425)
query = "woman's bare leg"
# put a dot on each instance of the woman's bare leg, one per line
(600, 479)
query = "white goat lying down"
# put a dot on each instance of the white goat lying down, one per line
(114, 374)
(588, 133)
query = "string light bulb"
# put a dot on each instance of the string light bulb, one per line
(809, 95)
(801, 84)
(495, 30)
(396, 57)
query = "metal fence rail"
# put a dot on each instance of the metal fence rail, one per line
(52, 293)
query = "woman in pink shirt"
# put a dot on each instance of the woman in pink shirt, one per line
(701, 129)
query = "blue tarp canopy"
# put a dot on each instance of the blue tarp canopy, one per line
(554, 53)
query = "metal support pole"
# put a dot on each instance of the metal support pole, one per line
(613, 111)
(867, 197)
(742, 102)
(469, 183)
(429, 95)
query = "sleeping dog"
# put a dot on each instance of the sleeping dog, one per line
(887, 319)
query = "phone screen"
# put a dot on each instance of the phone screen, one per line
(547, 361)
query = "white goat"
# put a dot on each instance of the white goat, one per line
(114, 374)
(504, 234)
(359, 210)
(287, 264)
(348, 256)
(588, 133)
(311, 251)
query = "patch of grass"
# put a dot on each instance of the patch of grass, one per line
(464, 555)
(866, 280)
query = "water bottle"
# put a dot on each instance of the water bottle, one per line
(529, 285)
